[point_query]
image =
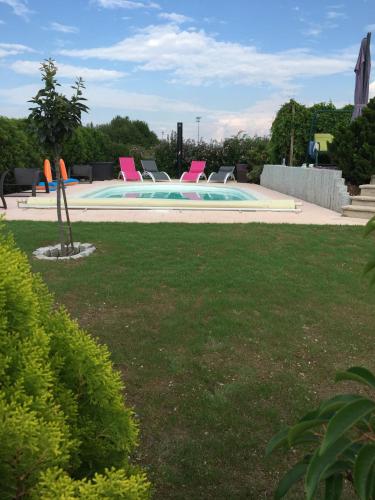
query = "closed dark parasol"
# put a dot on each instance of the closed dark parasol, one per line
(362, 77)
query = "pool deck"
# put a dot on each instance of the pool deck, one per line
(309, 213)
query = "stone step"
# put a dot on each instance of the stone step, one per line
(367, 189)
(359, 212)
(363, 200)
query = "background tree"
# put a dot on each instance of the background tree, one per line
(281, 131)
(353, 149)
(123, 133)
(321, 117)
(54, 118)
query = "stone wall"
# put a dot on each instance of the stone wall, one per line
(323, 187)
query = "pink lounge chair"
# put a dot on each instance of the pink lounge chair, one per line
(128, 170)
(196, 172)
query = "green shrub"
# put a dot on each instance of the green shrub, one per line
(237, 149)
(338, 439)
(17, 145)
(353, 149)
(57, 485)
(255, 173)
(62, 413)
(321, 117)
(107, 142)
(87, 144)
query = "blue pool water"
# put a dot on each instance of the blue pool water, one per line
(192, 192)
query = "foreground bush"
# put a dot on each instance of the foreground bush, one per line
(339, 442)
(64, 429)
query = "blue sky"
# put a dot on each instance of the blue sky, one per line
(232, 63)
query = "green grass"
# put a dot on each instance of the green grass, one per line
(223, 334)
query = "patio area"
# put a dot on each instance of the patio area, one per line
(308, 213)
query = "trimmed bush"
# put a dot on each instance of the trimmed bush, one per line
(120, 137)
(63, 420)
(17, 145)
(237, 149)
(354, 147)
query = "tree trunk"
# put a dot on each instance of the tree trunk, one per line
(70, 233)
(66, 240)
(291, 152)
(58, 205)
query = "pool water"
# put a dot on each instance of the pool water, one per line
(173, 192)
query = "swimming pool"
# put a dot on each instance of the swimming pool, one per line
(167, 196)
(172, 192)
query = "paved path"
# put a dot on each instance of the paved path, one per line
(310, 214)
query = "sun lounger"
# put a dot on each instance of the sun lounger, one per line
(68, 181)
(128, 170)
(222, 175)
(150, 169)
(195, 173)
(52, 184)
(48, 176)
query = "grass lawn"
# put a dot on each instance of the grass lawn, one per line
(223, 334)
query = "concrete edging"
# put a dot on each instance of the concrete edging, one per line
(323, 187)
(52, 252)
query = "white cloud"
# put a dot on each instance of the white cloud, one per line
(108, 98)
(121, 100)
(372, 89)
(2, 22)
(253, 120)
(196, 58)
(63, 28)
(213, 20)
(332, 14)
(161, 113)
(126, 4)
(313, 31)
(67, 71)
(174, 17)
(19, 7)
(105, 101)
(13, 49)
(370, 27)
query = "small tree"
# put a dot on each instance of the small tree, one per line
(54, 118)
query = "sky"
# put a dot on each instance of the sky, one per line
(232, 63)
